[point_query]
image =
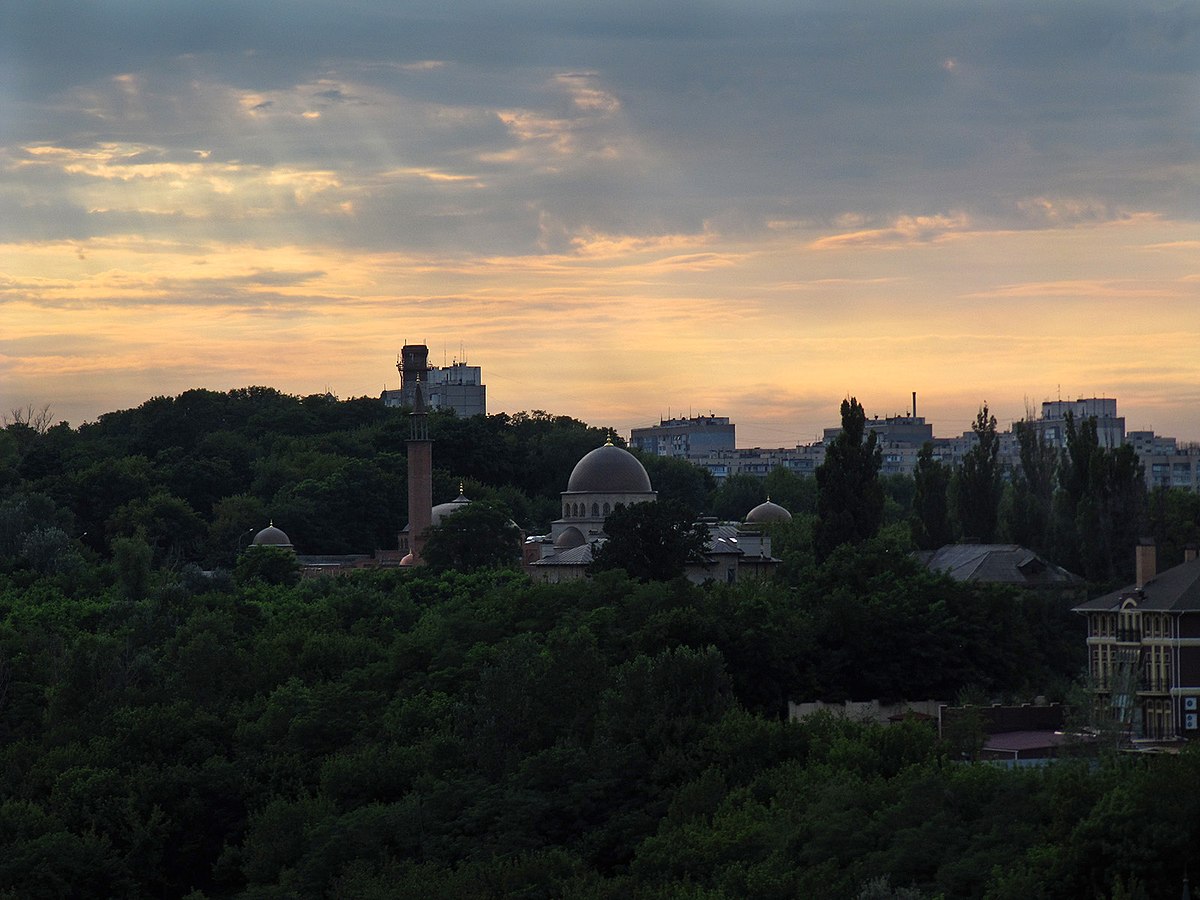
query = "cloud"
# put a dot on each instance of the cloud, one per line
(227, 184)
(903, 231)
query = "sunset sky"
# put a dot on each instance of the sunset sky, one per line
(618, 209)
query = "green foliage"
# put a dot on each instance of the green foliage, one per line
(470, 734)
(1028, 518)
(1100, 509)
(396, 733)
(850, 498)
(795, 493)
(166, 523)
(650, 541)
(979, 485)
(478, 536)
(737, 495)
(131, 559)
(270, 565)
(1173, 519)
(931, 511)
(677, 480)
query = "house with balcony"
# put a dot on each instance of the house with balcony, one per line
(1144, 650)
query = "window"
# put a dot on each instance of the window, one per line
(595, 510)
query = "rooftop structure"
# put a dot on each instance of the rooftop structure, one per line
(457, 386)
(685, 438)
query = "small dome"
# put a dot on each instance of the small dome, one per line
(609, 470)
(271, 537)
(570, 538)
(766, 513)
(442, 510)
(407, 561)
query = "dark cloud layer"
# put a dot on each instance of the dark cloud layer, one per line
(639, 118)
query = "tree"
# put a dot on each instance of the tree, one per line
(131, 558)
(1101, 507)
(478, 536)
(1029, 514)
(1174, 520)
(678, 479)
(849, 496)
(168, 524)
(651, 541)
(795, 493)
(979, 484)
(931, 506)
(737, 495)
(273, 565)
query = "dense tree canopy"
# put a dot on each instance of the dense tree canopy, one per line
(446, 735)
(478, 536)
(650, 541)
(172, 730)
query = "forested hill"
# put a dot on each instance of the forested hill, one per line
(174, 725)
(194, 473)
(409, 734)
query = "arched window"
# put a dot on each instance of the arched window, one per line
(607, 509)
(566, 510)
(595, 510)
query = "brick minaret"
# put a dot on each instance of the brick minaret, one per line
(420, 477)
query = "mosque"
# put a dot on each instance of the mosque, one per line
(605, 478)
(611, 476)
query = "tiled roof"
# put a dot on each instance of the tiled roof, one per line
(1175, 590)
(998, 564)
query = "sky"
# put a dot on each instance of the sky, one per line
(620, 211)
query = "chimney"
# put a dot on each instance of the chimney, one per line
(1146, 561)
(914, 404)
(1190, 552)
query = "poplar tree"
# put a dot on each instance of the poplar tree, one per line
(849, 496)
(931, 506)
(979, 485)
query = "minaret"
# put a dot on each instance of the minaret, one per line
(420, 477)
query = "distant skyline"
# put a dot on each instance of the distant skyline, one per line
(754, 209)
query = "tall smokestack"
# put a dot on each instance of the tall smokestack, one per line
(914, 404)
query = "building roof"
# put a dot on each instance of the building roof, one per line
(1175, 590)
(442, 510)
(767, 512)
(1024, 741)
(998, 564)
(570, 538)
(576, 556)
(609, 470)
(272, 537)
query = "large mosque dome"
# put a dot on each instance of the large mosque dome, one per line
(439, 513)
(609, 470)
